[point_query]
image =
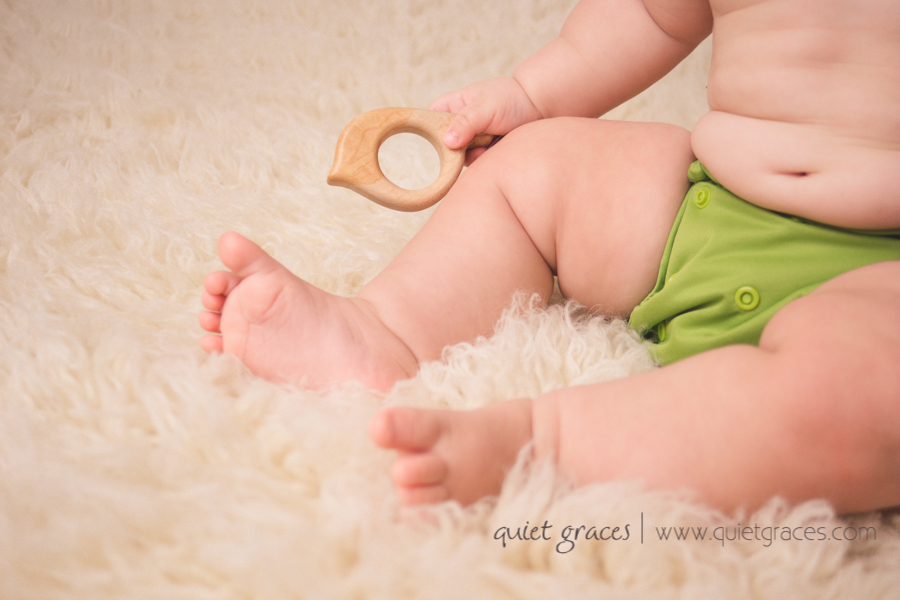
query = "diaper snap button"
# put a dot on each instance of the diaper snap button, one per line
(747, 298)
(702, 198)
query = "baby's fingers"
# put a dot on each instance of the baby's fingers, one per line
(451, 103)
(470, 120)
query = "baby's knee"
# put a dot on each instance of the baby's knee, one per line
(569, 146)
(538, 156)
(547, 140)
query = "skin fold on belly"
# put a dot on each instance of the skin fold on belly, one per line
(805, 170)
(803, 109)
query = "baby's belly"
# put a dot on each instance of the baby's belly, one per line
(811, 171)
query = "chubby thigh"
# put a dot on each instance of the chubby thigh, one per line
(813, 412)
(598, 199)
(842, 345)
(850, 324)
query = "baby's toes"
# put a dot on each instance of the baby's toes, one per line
(405, 428)
(213, 302)
(429, 494)
(210, 321)
(217, 285)
(211, 343)
(414, 470)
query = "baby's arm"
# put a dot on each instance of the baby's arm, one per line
(610, 50)
(607, 52)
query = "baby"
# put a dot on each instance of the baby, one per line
(759, 254)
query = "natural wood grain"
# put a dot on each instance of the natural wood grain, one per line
(356, 157)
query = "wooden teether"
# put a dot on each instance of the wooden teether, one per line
(356, 158)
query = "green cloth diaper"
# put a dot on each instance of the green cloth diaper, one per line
(730, 265)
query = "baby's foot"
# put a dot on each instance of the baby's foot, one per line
(452, 455)
(285, 329)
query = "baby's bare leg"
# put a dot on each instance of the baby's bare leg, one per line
(573, 196)
(812, 413)
(592, 201)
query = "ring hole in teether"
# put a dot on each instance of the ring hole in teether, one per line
(409, 161)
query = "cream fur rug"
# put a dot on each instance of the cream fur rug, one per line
(132, 465)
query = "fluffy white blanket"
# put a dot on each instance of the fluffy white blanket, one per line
(132, 465)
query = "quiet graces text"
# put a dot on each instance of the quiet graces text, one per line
(569, 534)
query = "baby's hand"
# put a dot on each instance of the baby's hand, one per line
(495, 106)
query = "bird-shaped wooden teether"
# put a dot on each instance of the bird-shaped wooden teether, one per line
(356, 158)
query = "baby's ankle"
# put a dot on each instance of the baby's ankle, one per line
(393, 344)
(385, 327)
